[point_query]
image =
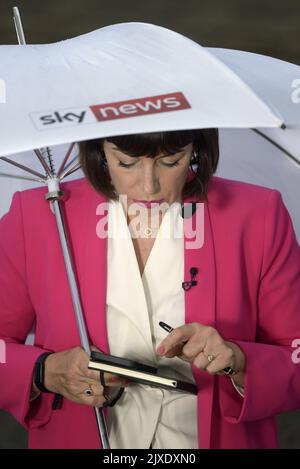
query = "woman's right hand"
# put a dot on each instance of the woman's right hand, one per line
(67, 373)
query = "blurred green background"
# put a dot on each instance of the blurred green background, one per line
(270, 27)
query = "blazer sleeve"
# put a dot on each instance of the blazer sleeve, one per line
(272, 378)
(17, 316)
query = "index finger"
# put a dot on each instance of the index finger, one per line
(177, 336)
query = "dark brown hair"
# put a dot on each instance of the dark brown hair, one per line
(203, 163)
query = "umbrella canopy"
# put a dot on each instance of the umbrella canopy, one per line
(121, 79)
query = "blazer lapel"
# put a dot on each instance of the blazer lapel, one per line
(200, 301)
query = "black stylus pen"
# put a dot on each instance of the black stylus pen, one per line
(166, 327)
(228, 370)
(169, 329)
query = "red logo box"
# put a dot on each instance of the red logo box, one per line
(141, 106)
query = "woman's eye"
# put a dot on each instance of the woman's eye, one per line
(124, 165)
(130, 165)
(171, 165)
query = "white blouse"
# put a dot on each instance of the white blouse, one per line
(135, 304)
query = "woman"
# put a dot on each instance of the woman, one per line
(241, 313)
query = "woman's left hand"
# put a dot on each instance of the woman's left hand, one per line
(204, 348)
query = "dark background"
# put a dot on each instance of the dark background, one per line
(270, 27)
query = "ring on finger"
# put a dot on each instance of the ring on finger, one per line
(209, 357)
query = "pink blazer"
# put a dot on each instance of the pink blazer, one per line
(248, 289)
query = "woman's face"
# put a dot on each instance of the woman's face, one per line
(147, 179)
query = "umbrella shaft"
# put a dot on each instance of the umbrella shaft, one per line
(78, 310)
(71, 277)
(102, 429)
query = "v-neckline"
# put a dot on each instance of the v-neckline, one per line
(141, 275)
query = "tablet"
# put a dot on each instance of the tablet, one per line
(137, 372)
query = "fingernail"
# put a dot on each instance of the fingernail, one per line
(161, 350)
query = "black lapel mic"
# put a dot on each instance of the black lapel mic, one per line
(188, 209)
(192, 283)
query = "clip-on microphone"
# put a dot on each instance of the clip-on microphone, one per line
(191, 283)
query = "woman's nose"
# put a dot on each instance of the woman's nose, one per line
(150, 181)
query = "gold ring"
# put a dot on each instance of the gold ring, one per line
(209, 357)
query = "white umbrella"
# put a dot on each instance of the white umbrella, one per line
(245, 155)
(134, 61)
(123, 79)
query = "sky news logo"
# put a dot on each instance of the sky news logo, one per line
(110, 111)
(2, 92)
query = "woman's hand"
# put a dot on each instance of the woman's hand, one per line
(204, 348)
(67, 373)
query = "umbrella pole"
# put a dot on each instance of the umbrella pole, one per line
(54, 197)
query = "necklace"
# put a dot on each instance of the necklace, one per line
(139, 230)
(148, 232)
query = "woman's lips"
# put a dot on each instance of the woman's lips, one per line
(148, 203)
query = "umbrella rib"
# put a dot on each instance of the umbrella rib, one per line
(25, 168)
(43, 162)
(286, 152)
(46, 153)
(15, 176)
(70, 171)
(62, 166)
(70, 163)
